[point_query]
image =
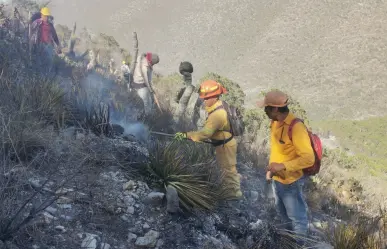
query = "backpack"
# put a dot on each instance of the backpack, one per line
(316, 145)
(237, 126)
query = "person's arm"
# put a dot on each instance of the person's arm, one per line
(55, 36)
(305, 155)
(144, 69)
(214, 123)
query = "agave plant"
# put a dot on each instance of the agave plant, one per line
(172, 164)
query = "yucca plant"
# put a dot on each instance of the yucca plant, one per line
(171, 164)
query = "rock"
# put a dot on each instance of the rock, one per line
(66, 217)
(131, 237)
(172, 200)
(124, 217)
(64, 191)
(130, 210)
(149, 240)
(35, 183)
(60, 229)
(64, 200)
(154, 198)
(254, 196)
(256, 225)
(90, 241)
(51, 210)
(129, 185)
(65, 206)
(129, 201)
(146, 226)
(47, 218)
(105, 246)
(2, 246)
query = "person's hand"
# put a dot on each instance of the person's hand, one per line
(275, 167)
(269, 176)
(180, 136)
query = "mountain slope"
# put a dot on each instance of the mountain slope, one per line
(320, 51)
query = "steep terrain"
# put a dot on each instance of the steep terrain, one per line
(329, 54)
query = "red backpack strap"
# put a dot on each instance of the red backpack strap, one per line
(294, 121)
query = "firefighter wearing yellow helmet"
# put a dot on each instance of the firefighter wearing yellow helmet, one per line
(217, 128)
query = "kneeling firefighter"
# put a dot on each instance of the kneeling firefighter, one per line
(217, 128)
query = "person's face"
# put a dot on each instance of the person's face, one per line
(210, 102)
(271, 112)
(44, 18)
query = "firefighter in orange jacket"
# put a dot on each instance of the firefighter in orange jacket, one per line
(217, 129)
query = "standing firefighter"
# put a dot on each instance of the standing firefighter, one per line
(218, 129)
(142, 79)
(44, 39)
(184, 94)
(291, 153)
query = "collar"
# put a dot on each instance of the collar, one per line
(289, 118)
(211, 108)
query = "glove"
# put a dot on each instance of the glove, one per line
(180, 136)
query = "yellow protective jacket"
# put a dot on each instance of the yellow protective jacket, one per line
(296, 154)
(216, 127)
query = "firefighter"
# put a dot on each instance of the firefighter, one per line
(217, 129)
(184, 94)
(142, 79)
(44, 39)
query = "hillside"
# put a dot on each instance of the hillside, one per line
(364, 138)
(329, 54)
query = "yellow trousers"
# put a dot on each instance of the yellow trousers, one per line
(226, 159)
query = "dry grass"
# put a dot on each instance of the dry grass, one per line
(364, 233)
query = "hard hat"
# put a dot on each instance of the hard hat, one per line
(185, 67)
(123, 62)
(211, 88)
(45, 11)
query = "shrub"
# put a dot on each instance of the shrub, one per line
(194, 178)
(360, 234)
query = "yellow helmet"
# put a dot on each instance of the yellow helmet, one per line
(123, 62)
(45, 11)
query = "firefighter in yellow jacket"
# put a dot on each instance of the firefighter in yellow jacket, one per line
(217, 129)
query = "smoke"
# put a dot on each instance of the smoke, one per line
(96, 90)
